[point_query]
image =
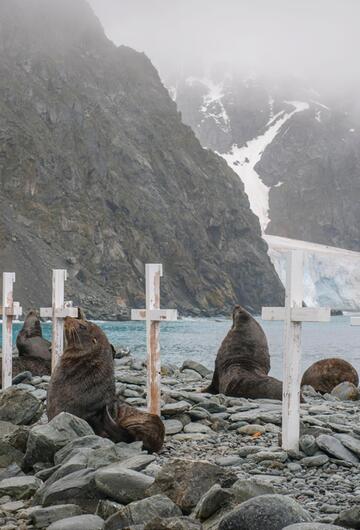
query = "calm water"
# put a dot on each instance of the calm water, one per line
(199, 339)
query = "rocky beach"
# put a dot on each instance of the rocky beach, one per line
(221, 467)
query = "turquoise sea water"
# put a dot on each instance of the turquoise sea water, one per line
(199, 339)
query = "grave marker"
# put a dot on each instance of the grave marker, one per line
(293, 314)
(59, 310)
(10, 310)
(153, 316)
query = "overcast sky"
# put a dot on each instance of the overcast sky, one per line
(303, 37)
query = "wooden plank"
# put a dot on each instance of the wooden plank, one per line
(9, 310)
(355, 321)
(160, 315)
(58, 286)
(292, 353)
(273, 313)
(153, 272)
(311, 314)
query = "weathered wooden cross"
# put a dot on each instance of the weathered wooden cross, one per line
(10, 310)
(293, 314)
(57, 313)
(153, 316)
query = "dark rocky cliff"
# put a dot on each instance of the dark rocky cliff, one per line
(312, 166)
(99, 175)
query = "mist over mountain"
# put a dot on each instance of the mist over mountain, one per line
(99, 175)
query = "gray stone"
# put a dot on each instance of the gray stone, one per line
(308, 444)
(197, 367)
(173, 426)
(22, 377)
(45, 440)
(186, 481)
(188, 436)
(157, 506)
(173, 523)
(91, 441)
(197, 428)
(280, 456)
(198, 413)
(313, 526)
(6, 428)
(351, 443)
(43, 517)
(270, 512)
(349, 518)
(171, 409)
(21, 487)
(335, 448)
(230, 460)
(315, 461)
(191, 375)
(9, 455)
(19, 406)
(245, 489)
(251, 429)
(107, 508)
(212, 406)
(79, 522)
(138, 462)
(13, 470)
(346, 392)
(212, 501)
(122, 485)
(78, 488)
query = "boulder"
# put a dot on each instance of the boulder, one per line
(45, 440)
(313, 526)
(21, 487)
(174, 523)
(212, 501)
(335, 448)
(142, 511)
(79, 522)
(186, 481)
(19, 406)
(349, 518)
(270, 512)
(308, 445)
(121, 484)
(245, 489)
(9, 455)
(351, 443)
(91, 441)
(346, 392)
(78, 488)
(43, 517)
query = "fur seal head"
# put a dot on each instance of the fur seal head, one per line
(84, 338)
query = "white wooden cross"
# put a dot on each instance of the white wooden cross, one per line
(153, 316)
(57, 313)
(10, 310)
(293, 314)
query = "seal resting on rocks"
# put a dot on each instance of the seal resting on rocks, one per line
(243, 362)
(326, 374)
(30, 342)
(83, 384)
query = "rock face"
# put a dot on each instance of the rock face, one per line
(99, 175)
(304, 149)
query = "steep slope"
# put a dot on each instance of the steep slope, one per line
(298, 157)
(99, 175)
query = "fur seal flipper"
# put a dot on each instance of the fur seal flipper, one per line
(30, 342)
(243, 362)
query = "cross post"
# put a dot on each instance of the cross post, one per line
(59, 310)
(293, 314)
(153, 315)
(10, 310)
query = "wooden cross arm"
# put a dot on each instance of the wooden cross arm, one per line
(298, 314)
(15, 310)
(157, 315)
(61, 312)
(355, 321)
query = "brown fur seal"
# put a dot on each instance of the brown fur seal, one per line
(142, 426)
(326, 374)
(83, 384)
(30, 342)
(243, 362)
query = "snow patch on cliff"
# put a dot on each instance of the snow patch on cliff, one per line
(244, 159)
